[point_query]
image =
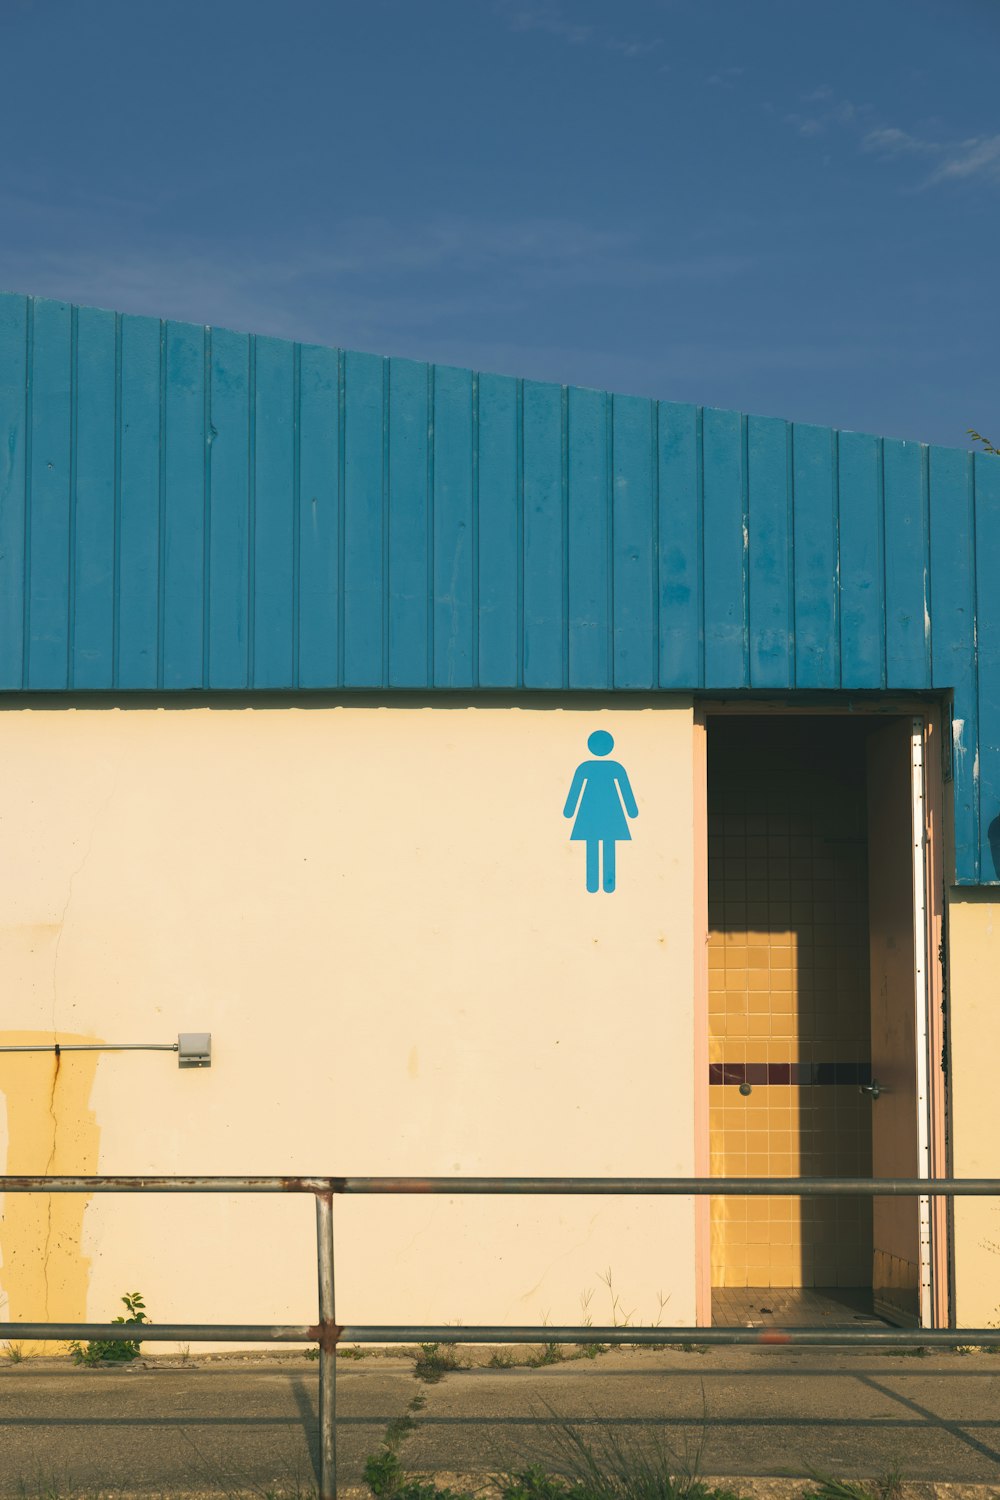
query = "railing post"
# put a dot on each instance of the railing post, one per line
(327, 1349)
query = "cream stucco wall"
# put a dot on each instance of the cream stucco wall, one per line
(974, 1030)
(379, 915)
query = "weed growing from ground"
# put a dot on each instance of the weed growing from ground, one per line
(14, 1352)
(619, 1317)
(549, 1354)
(888, 1486)
(434, 1362)
(383, 1472)
(612, 1464)
(113, 1351)
(385, 1477)
(589, 1351)
(397, 1429)
(533, 1484)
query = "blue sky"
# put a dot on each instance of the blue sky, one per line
(785, 206)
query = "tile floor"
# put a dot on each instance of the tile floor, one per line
(793, 1307)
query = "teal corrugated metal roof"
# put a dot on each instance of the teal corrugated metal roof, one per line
(190, 508)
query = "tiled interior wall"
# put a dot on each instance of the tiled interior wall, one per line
(788, 984)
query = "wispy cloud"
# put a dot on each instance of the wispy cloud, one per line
(630, 47)
(953, 161)
(371, 285)
(888, 141)
(726, 78)
(978, 157)
(944, 160)
(551, 19)
(837, 114)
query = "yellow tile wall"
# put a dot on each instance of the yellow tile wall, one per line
(788, 982)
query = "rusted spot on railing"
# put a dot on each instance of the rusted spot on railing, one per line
(326, 1335)
(173, 1184)
(319, 1185)
(399, 1185)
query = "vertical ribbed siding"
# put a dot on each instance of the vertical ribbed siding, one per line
(986, 479)
(953, 636)
(188, 508)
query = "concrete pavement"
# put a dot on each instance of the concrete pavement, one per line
(226, 1425)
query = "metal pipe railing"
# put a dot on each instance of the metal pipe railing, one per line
(682, 1187)
(327, 1333)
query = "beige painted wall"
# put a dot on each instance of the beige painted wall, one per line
(379, 915)
(974, 1010)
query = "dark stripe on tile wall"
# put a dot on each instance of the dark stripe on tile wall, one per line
(797, 1072)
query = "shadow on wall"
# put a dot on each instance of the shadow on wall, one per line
(994, 837)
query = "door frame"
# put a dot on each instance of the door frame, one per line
(934, 713)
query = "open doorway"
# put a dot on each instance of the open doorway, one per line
(818, 1045)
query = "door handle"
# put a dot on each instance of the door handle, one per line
(872, 1089)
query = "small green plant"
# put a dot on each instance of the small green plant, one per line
(658, 1321)
(385, 1477)
(434, 1362)
(549, 1354)
(888, 1486)
(589, 1351)
(354, 1352)
(533, 1484)
(502, 1359)
(113, 1351)
(14, 1352)
(383, 1473)
(397, 1429)
(977, 437)
(608, 1464)
(619, 1317)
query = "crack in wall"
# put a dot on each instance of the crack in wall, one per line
(70, 892)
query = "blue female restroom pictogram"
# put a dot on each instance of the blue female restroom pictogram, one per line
(604, 794)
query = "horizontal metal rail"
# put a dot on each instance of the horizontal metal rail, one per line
(680, 1187)
(144, 1184)
(683, 1187)
(164, 1333)
(327, 1333)
(503, 1333)
(93, 1047)
(946, 1338)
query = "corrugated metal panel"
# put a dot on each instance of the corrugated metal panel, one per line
(189, 508)
(986, 473)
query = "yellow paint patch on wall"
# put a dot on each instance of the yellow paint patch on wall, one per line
(50, 1130)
